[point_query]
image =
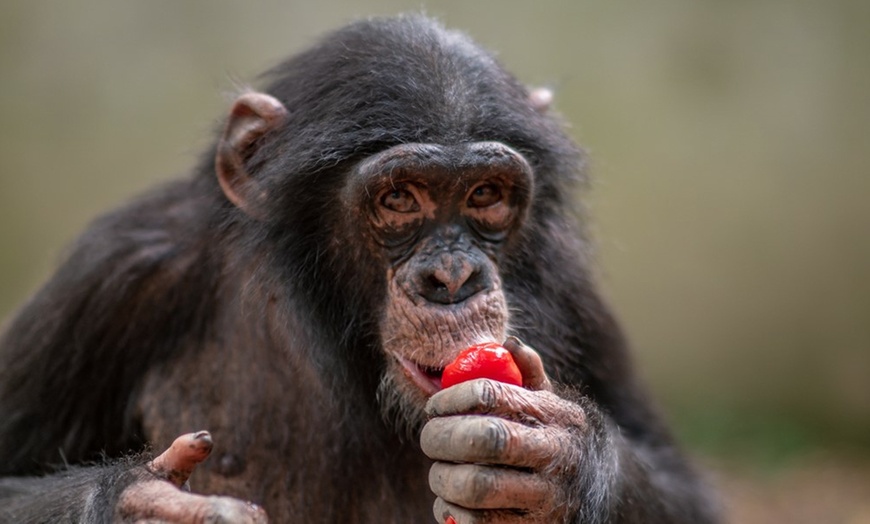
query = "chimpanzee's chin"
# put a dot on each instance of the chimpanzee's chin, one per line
(402, 404)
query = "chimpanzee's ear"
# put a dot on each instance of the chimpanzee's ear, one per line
(252, 116)
(541, 98)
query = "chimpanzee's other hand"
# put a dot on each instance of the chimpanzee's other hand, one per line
(161, 496)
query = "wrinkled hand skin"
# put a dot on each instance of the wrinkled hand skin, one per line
(160, 496)
(505, 454)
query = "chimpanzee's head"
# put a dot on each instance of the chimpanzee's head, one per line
(413, 175)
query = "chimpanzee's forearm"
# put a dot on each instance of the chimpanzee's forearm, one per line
(81, 494)
(655, 484)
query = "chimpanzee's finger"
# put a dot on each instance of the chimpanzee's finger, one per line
(444, 511)
(177, 463)
(488, 440)
(530, 364)
(476, 486)
(153, 501)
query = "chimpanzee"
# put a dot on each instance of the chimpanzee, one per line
(391, 197)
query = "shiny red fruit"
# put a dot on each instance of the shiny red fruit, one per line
(488, 360)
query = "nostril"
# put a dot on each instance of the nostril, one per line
(436, 284)
(443, 278)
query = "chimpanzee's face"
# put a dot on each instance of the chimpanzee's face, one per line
(439, 217)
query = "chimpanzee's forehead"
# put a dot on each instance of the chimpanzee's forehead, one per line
(380, 83)
(383, 82)
(405, 74)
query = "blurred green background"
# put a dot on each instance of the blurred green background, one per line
(729, 146)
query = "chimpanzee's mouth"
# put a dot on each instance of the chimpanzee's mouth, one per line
(427, 378)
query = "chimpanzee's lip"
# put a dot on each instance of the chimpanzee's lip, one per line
(427, 378)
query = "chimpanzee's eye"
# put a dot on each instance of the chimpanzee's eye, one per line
(484, 195)
(400, 200)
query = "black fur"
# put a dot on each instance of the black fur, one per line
(178, 312)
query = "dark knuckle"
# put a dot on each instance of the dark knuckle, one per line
(488, 394)
(496, 437)
(480, 485)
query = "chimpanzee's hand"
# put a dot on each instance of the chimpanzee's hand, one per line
(160, 497)
(505, 454)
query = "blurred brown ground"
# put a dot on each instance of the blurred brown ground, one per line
(819, 490)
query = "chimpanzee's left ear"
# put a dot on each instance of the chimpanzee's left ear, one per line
(541, 98)
(252, 116)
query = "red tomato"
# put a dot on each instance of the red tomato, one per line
(450, 520)
(488, 360)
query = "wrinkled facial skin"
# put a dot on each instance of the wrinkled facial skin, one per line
(439, 217)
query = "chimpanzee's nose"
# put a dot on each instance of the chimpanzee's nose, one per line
(450, 278)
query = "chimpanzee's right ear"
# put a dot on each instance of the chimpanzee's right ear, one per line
(541, 98)
(252, 116)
